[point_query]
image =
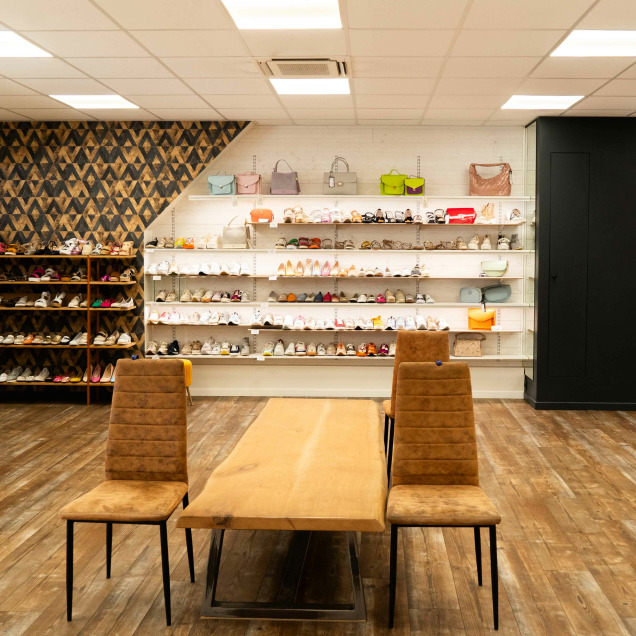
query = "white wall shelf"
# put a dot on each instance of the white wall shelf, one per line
(350, 197)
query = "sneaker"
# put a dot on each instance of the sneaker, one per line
(301, 350)
(278, 321)
(299, 323)
(359, 324)
(154, 317)
(383, 351)
(245, 270)
(486, 243)
(390, 324)
(216, 349)
(186, 297)
(311, 349)
(442, 325)
(419, 299)
(399, 323)
(233, 270)
(409, 323)
(234, 350)
(235, 319)
(473, 244)
(279, 349)
(163, 349)
(351, 350)
(206, 349)
(378, 325)
(514, 243)
(329, 324)
(503, 243)
(341, 350)
(392, 349)
(339, 324)
(245, 347)
(173, 269)
(288, 322)
(162, 269)
(371, 350)
(310, 323)
(431, 325)
(420, 323)
(362, 350)
(321, 351)
(291, 349)
(349, 324)
(225, 348)
(428, 299)
(331, 349)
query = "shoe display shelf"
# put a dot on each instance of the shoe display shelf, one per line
(88, 287)
(450, 271)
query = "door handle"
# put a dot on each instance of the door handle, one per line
(554, 276)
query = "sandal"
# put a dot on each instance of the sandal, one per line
(440, 216)
(127, 247)
(417, 218)
(115, 250)
(399, 216)
(389, 217)
(387, 245)
(379, 217)
(292, 244)
(106, 248)
(327, 244)
(288, 215)
(127, 275)
(114, 277)
(355, 217)
(428, 245)
(281, 243)
(408, 216)
(366, 245)
(348, 245)
(375, 245)
(396, 245)
(368, 217)
(430, 216)
(303, 243)
(314, 244)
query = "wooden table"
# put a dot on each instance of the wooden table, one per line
(304, 465)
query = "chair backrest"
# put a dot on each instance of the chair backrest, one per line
(434, 438)
(147, 434)
(419, 346)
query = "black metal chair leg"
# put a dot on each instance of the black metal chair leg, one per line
(69, 570)
(478, 553)
(389, 460)
(386, 432)
(109, 547)
(494, 575)
(188, 533)
(392, 574)
(165, 566)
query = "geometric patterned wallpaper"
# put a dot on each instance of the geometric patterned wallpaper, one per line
(100, 181)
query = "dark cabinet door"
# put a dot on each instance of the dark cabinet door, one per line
(567, 303)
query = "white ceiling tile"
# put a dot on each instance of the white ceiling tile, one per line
(29, 101)
(43, 67)
(600, 113)
(610, 14)
(6, 115)
(148, 86)
(389, 113)
(619, 87)
(320, 113)
(121, 114)
(212, 66)
(509, 124)
(391, 86)
(530, 14)
(523, 115)
(168, 101)
(392, 101)
(375, 14)
(168, 14)
(499, 86)
(582, 67)
(87, 43)
(399, 42)
(242, 101)
(316, 101)
(67, 86)
(192, 43)
(454, 122)
(27, 15)
(396, 67)
(467, 114)
(607, 102)
(506, 43)
(231, 86)
(120, 67)
(275, 43)
(53, 114)
(275, 122)
(187, 114)
(468, 101)
(630, 72)
(7, 87)
(489, 67)
(325, 122)
(534, 86)
(391, 122)
(253, 113)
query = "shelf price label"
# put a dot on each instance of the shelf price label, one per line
(156, 278)
(273, 224)
(272, 277)
(254, 332)
(260, 358)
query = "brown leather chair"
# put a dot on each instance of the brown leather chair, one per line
(411, 346)
(146, 463)
(435, 471)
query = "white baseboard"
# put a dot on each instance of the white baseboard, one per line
(322, 393)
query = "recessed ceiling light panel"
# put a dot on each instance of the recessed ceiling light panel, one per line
(12, 45)
(582, 43)
(541, 102)
(328, 86)
(86, 102)
(284, 14)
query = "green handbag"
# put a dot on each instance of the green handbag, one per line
(414, 187)
(392, 184)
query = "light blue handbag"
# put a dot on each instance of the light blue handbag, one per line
(219, 184)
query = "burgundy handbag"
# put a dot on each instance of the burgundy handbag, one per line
(498, 186)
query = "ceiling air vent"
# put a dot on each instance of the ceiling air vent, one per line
(304, 68)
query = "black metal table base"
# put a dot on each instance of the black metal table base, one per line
(286, 606)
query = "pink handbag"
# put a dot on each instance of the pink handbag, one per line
(248, 183)
(498, 186)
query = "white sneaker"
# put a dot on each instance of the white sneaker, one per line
(225, 348)
(409, 324)
(399, 323)
(245, 270)
(473, 244)
(329, 325)
(359, 324)
(224, 319)
(152, 269)
(288, 323)
(349, 324)
(204, 269)
(268, 349)
(291, 349)
(426, 270)
(310, 323)
(279, 349)
(206, 349)
(215, 270)
(75, 301)
(278, 321)
(428, 299)
(368, 324)
(163, 268)
(152, 319)
(503, 243)
(175, 318)
(173, 270)
(257, 320)
(392, 349)
(245, 297)
(224, 270)
(3, 376)
(420, 323)
(124, 339)
(235, 319)
(268, 321)
(486, 243)
(442, 325)
(216, 349)
(299, 323)
(234, 269)
(245, 347)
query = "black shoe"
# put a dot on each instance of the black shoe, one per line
(152, 243)
(173, 348)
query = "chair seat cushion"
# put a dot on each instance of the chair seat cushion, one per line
(387, 407)
(125, 500)
(441, 506)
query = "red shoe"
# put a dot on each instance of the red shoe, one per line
(107, 303)
(326, 298)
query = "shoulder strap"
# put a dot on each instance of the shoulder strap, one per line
(285, 161)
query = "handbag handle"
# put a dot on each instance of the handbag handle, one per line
(218, 172)
(335, 161)
(395, 170)
(285, 160)
(235, 217)
(491, 165)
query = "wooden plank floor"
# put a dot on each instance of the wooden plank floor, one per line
(565, 483)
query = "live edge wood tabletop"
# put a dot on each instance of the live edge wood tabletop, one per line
(303, 464)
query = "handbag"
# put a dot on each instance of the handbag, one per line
(222, 184)
(414, 186)
(498, 186)
(468, 345)
(284, 182)
(392, 184)
(470, 295)
(461, 215)
(496, 293)
(248, 183)
(235, 236)
(335, 182)
(482, 320)
(259, 215)
(494, 268)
